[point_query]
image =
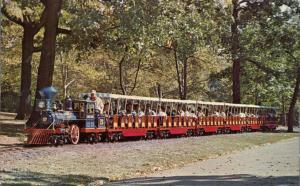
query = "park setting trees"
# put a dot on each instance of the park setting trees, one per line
(129, 47)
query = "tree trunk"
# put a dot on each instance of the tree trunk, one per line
(159, 92)
(291, 118)
(27, 51)
(283, 110)
(46, 67)
(185, 69)
(136, 75)
(122, 86)
(179, 78)
(235, 49)
(29, 31)
(64, 74)
(236, 96)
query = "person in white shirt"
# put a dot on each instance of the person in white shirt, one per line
(162, 112)
(242, 115)
(180, 112)
(200, 113)
(149, 111)
(98, 101)
(223, 114)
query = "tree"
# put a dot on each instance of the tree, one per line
(290, 45)
(291, 115)
(46, 66)
(270, 55)
(22, 14)
(185, 28)
(130, 39)
(242, 13)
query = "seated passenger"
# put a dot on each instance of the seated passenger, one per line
(173, 113)
(129, 109)
(200, 113)
(193, 114)
(242, 115)
(187, 112)
(162, 111)
(106, 109)
(223, 114)
(141, 111)
(247, 114)
(230, 114)
(168, 111)
(216, 114)
(135, 110)
(122, 112)
(149, 111)
(180, 112)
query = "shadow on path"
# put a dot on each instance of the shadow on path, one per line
(214, 180)
(35, 178)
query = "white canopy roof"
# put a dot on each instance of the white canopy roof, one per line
(149, 99)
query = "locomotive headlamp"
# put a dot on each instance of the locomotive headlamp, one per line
(44, 119)
(41, 104)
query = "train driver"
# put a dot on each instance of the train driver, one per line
(98, 101)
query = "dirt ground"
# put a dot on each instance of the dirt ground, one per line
(86, 163)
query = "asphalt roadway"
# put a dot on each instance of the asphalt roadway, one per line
(271, 164)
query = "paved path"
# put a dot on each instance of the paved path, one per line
(276, 164)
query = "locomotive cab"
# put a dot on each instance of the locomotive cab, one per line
(85, 111)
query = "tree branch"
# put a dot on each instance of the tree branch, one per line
(64, 31)
(263, 68)
(10, 17)
(291, 55)
(243, 1)
(68, 84)
(40, 24)
(37, 49)
(136, 75)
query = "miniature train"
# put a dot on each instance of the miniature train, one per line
(132, 116)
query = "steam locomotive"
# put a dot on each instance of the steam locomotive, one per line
(62, 123)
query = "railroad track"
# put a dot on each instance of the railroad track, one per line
(11, 148)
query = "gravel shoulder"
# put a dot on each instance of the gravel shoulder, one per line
(85, 163)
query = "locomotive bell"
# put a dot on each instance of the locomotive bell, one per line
(68, 104)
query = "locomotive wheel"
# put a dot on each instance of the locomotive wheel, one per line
(228, 131)
(201, 132)
(74, 134)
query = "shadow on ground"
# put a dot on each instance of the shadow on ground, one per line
(227, 180)
(35, 178)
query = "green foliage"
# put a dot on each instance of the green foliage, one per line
(105, 32)
(10, 56)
